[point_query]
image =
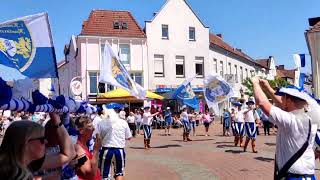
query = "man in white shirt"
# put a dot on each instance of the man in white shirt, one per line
(113, 132)
(250, 118)
(296, 130)
(147, 121)
(186, 123)
(239, 125)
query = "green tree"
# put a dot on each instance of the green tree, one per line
(278, 82)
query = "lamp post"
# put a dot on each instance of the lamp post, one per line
(313, 41)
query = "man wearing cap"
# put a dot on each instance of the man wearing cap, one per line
(113, 132)
(296, 131)
(147, 121)
(239, 125)
(168, 120)
(250, 117)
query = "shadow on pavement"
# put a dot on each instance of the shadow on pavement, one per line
(194, 140)
(234, 151)
(264, 159)
(159, 147)
(225, 145)
(270, 144)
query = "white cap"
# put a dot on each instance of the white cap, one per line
(168, 108)
(295, 92)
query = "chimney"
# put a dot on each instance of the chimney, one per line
(154, 14)
(220, 36)
(240, 50)
(280, 67)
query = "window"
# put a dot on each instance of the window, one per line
(241, 74)
(229, 66)
(199, 66)
(93, 81)
(165, 31)
(221, 68)
(124, 53)
(215, 66)
(158, 65)
(137, 77)
(105, 87)
(247, 75)
(180, 66)
(192, 34)
(236, 72)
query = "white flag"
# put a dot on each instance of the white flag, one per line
(114, 73)
(216, 90)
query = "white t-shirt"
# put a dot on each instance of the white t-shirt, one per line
(130, 119)
(239, 116)
(114, 132)
(185, 117)
(251, 116)
(147, 119)
(293, 130)
(138, 118)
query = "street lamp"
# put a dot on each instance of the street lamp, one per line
(313, 41)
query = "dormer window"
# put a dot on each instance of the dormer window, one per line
(124, 25)
(116, 25)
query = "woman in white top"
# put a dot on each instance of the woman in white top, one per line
(132, 124)
(147, 121)
(138, 121)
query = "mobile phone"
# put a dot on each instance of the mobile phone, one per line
(81, 161)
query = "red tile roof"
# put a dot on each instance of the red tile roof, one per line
(216, 40)
(315, 28)
(100, 23)
(263, 62)
(286, 73)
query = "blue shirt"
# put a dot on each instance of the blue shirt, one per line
(167, 116)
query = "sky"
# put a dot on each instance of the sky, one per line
(261, 28)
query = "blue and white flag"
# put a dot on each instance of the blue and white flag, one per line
(299, 60)
(185, 93)
(216, 90)
(113, 72)
(26, 46)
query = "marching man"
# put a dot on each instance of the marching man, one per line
(239, 126)
(147, 122)
(296, 130)
(186, 123)
(251, 117)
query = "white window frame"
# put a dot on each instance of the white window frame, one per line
(215, 65)
(129, 55)
(194, 33)
(160, 59)
(199, 60)
(133, 75)
(163, 26)
(241, 73)
(89, 83)
(221, 72)
(230, 68)
(236, 73)
(180, 60)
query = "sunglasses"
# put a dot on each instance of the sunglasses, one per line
(41, 139)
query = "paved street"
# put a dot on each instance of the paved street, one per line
(205, 158)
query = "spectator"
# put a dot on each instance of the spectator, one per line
(131, 123)
(89, 170)
(226, 122)
(168, 120)
(206, 122)
(22, 151)
(138, 121)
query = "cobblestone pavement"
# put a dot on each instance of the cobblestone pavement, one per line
(205, 158)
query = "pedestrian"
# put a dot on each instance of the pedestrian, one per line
(113, 132)
(89, 170)
(147, 122)
(186, 123)
(168, 121)
(296, 130)
(132, 123)
(239, 126)
(206, 122)
(193, 123)
(138, 121)
(226, 122)
(233, 118)
(265, 120)
(250, 118)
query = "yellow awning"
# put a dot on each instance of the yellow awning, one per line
(118, 93)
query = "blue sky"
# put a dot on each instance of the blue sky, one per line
(260, 28)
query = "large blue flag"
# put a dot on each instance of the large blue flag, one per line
(26, 47)
(185, 93)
